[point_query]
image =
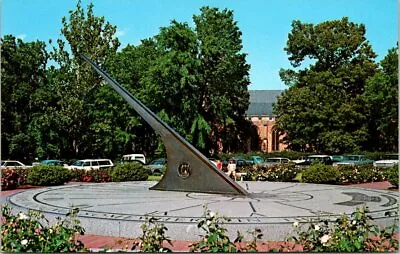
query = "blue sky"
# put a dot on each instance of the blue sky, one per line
(265, 24)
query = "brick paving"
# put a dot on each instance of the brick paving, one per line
(100, 243)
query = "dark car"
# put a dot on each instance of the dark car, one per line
(156, 166)
(324, 159)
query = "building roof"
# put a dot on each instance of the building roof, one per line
(261, 102)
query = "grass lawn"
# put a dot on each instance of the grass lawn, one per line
(154, 178)
(298, 177)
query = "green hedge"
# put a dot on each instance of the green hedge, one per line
(393, 175)
(45, 175)
(129, 172)
(319, 173)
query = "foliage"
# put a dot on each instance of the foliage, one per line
(101, 175)
(393, 175)
(323, 111)
(48, 175)
(23, 76)
(215, 238)
(360, 174)
(153, 238)
(9, 179)
(26, 233)
(129, 172)
(382, 100)
(285, 172)
(85, 123)
(347, 234)
(320, 173)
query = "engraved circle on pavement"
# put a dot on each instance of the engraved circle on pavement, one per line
(268, 202)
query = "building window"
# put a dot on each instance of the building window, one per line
(264, 145)
(275, 140)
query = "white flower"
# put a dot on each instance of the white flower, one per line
(295, 224)
(24, 242)
(354, 222)
(212, 214)
(208, 222)
(23, 216)
(316, 227)
(325, 239)
(51, 231)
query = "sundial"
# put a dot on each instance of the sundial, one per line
(120, 208)
(187, 168)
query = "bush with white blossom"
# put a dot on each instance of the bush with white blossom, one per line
(347, 234)
(27, 232)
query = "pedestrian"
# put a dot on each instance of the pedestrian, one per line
(219, 164)
(232, 169)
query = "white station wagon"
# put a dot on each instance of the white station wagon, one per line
(89, 164)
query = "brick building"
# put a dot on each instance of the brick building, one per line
(260, 114)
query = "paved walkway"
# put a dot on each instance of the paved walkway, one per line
(97, 242)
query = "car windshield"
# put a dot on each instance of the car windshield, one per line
(258, 159)
(312, 159)
(158, 162)
(78, 163)
(2, 163)
(353, 157)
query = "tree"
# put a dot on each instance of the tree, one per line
(381, 98)
(195, 79)
(322, 109)
(83, 123)
(224, 78)
(23, 74)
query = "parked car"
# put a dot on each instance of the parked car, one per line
(257, 160)
(134, 157)
(354, 160)
(13, 164)
(338, 158)
(157, 165)
(324, 159)
(89, 164)
(299, 160)
(274, 161)
(389, 160)
(54, 163)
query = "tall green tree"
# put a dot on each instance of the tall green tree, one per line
(224, 78)
(83, 123)
(322, 110)
(382, 100)
(196, 79)
(23, 73)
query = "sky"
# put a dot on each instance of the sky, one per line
(265, 24)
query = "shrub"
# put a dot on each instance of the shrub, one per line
(153, 237)
(129, 172)
(216, 238)
(319, 173)
(25, 233)
(9, 179)
(347, 234)
(94, 175)
(281, 172)
(393, 175)
(360, 174)
(22, 175)
(47, 175)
